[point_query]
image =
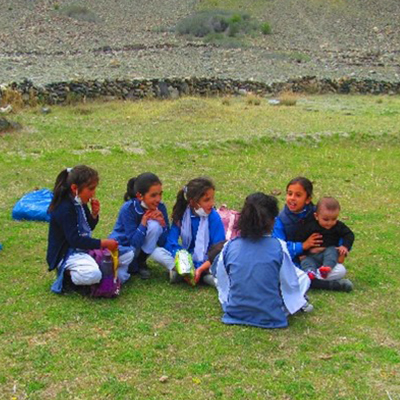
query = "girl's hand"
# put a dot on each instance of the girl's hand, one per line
(109, 244)
(314, 240)
(159, 217)
(95, 205)
(155, 215)
(199, 271)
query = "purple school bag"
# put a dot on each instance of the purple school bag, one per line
(229, 219)
(110, 285)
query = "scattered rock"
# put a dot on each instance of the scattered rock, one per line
(45, 110)
(274, 102)
(6, 110)
(7, 126)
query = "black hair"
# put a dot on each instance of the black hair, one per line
(257, 215)
(141, 184)
(304, 182)
(81, 175)
(214, 250)
(194, 190)
(330, 203)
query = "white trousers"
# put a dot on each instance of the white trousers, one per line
(163, 257)
(154, 231)
(123, 265)
(83, 268)
(338, 272)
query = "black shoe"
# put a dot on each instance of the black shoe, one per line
(339, 285)
(144, 272)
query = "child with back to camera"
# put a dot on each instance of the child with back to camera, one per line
(198, 225)
(337, 239)
(71, 225)
(257, 282)
(142, 225)
(289, 226)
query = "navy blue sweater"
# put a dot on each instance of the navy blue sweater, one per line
(64, 233)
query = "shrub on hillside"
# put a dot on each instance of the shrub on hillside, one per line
(266, 28)
(79, 12)
(213, 22)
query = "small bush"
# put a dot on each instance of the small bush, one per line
(288, 99)
(266, 28)
(211, 22)
(252, 99)
(79, 12)
(13, 98)
(226, 101)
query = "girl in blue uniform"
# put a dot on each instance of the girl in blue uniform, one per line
(142, 225)
(298, 211)
(256, 279)
(71, 225)
(196, 226)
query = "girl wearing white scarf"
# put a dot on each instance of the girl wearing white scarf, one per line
(197, 224)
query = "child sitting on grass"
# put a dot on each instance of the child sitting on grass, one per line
(257, 282)
(337, 239)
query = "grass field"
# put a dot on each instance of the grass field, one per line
(73, 347)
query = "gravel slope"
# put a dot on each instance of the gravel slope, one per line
(132, 38)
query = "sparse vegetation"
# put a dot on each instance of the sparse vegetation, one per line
(213, 22)
(288, 99)
(252, 99)
(266, 28)
(11, 97)
(78, 12)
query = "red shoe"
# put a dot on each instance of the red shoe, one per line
(324, 271)
(311, 275)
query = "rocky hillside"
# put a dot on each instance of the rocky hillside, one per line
(135, 38)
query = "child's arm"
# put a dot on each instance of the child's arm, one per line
(172, 244)
(199, 271)
(135, 232)
(216, 228)
(346, 241)
(91, 219)
(69, 222)
(95, 206)
(294, 248)
(163, 238)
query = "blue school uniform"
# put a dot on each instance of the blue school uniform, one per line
(215, 228)
(288, 227)
(70, 230)
(249, 283)
(128, 230)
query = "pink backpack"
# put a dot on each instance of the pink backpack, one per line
(229, 219)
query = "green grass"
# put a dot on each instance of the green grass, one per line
(70, 347)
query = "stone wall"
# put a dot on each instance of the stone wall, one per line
(135, 89)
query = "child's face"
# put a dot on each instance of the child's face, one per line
(85, 193)
(206, 202)
(296, 198)
(327, 218)
(152, 198)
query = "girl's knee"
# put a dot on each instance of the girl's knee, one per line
(87, 276)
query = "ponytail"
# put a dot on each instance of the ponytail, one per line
(258, 215)
(60, 190)
(179, 207)
(194, 190)
(81, 175)
(130, 193)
